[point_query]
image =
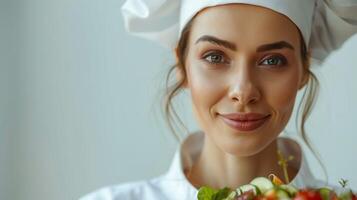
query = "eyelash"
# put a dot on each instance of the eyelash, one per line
(283, 61)
(220, 54)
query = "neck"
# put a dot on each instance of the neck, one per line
(218, 169)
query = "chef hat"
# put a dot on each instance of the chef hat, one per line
(325, 24)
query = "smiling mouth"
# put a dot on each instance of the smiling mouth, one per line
(244, 124)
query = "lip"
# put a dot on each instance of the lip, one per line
(245, 121)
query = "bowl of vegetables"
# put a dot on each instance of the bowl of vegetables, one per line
(262, 188)
(273, 188)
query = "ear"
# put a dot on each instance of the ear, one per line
(179, 76)
(179, 72)
(306, 68)
(176, 54)
(304, 79)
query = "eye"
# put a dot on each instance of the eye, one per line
(274, 61)
(215, 58)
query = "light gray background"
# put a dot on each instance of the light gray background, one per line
(80, 107)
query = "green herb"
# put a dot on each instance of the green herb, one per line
(283, 162)
(343, 182)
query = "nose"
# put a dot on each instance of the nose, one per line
(244, 90)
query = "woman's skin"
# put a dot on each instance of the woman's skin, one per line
(248, 76)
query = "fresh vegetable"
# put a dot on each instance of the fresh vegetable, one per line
(263, 184)
(262, 188)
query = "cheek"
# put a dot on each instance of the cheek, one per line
(206, 90)
(281, 93)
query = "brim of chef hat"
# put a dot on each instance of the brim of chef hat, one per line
(325, 24)
(290, 8)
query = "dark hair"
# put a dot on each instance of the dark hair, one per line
(304, 109)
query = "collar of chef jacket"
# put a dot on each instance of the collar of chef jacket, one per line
(189, 151)
(174, 185)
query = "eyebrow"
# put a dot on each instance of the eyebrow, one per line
(232, 46)
(275, 45)
(214, 40)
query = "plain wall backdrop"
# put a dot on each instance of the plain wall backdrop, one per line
(80, 103)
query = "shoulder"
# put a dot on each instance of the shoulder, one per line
(135, 190)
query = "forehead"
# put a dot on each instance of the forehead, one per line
(245, 25)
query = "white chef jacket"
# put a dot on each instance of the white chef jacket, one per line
(173, 185)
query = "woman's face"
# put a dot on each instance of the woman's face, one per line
(243, 59)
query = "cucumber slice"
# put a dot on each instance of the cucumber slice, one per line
(262, 183)
(231, 196)
(290, 189)
(239, 191)
(282, 194)
(325, 193)
(245, 188)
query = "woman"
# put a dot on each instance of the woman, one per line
(243, 63)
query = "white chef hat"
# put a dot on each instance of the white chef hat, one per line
(325, 24)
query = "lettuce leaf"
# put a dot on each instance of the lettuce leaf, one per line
(207, 193)
(221, 194)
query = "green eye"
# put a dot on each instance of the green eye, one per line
(276, 60)
(214, 58)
